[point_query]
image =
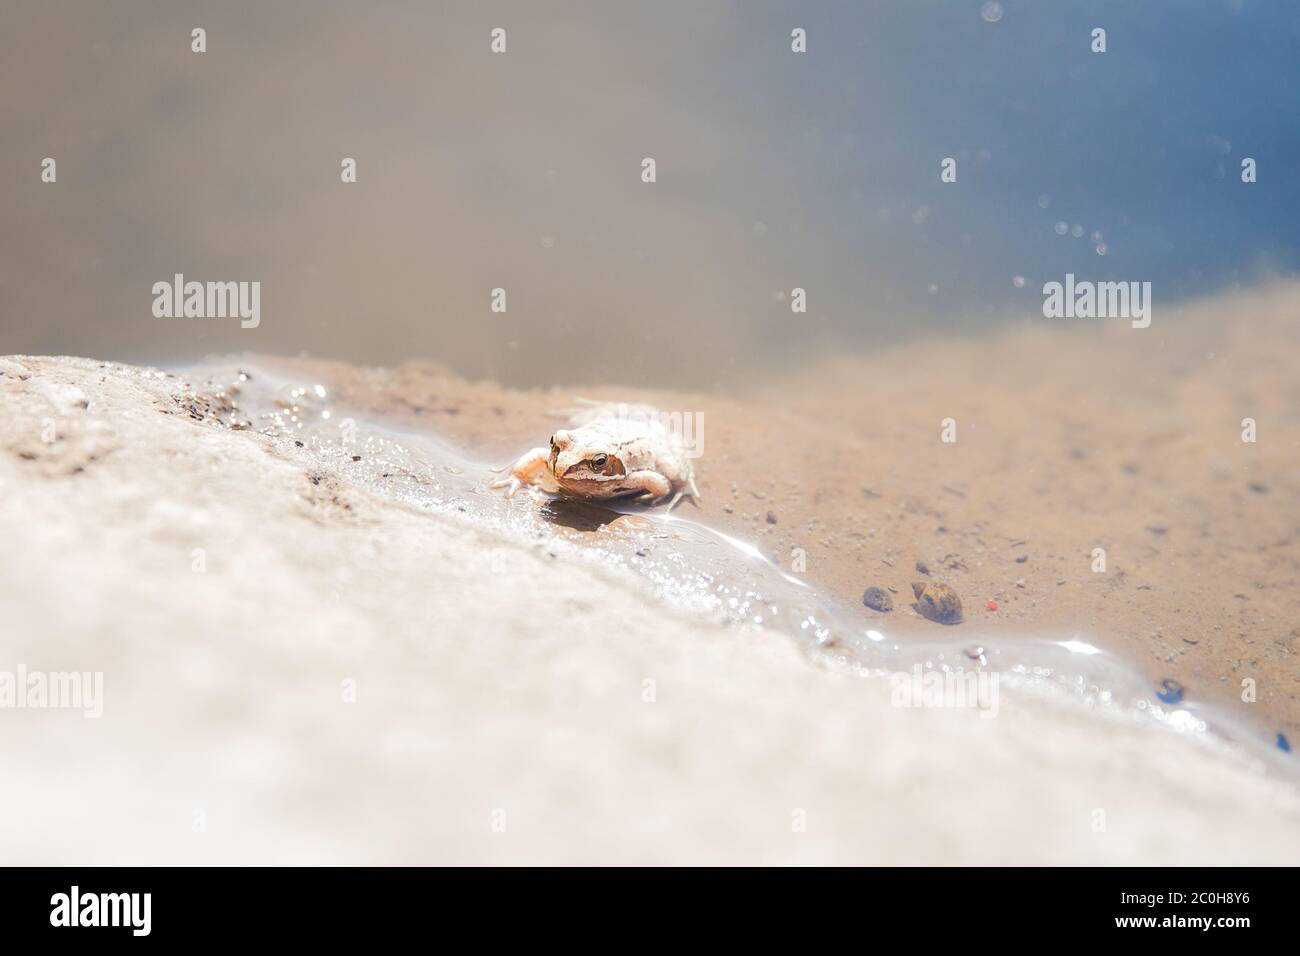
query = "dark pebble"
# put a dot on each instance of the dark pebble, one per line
(1022, 559)
(356, 457)
(1171, 692)
(878, 599)
(922, 567)
(1283, 744)
(771, 517)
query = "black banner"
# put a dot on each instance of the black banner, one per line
(1169, 907)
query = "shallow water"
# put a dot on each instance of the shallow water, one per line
(697, 570)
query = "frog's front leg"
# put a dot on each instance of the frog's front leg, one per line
(649, 484)
(525, 470)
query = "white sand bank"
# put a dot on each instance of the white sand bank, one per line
(496, 688)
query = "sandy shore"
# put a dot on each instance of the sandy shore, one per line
(1070, 437)
(346, 678)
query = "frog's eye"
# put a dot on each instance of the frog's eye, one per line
(608, 465)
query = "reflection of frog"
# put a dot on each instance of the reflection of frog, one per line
(610, 456)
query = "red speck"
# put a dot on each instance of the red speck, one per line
(992, 605)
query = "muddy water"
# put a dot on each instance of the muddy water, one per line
(695, 569)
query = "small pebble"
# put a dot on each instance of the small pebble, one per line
(992, 605)
(878, 599)
(1283, 744)
(771, 517)
(1171, 692)
(922, 567)
(937, 602)
(1021, 559)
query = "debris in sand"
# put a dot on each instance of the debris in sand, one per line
(992, 605)
(1283, 744)
(1171, 692)
(922, 567)
(771, 517)
(937, 602)
(878, 599)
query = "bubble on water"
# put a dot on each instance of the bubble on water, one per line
(1044, 201)
(1062, 227)
(1102, 248)
(1018, 281)
(548, 242)
(1077, 231)
(932, 288)
(1096, 235)
(991, 12)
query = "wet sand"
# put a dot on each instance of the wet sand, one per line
(1070, 436)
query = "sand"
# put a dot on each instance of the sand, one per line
(343, 678)
(1070, 436)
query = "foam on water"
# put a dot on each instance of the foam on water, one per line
(691, 568)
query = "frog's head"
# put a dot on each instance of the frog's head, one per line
(582, 461)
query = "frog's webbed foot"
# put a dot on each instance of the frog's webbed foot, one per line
(511, 485)
(523, 471)
(689, 491)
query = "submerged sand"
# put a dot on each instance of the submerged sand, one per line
(351, 679)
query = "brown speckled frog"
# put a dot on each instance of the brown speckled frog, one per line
(611, 452)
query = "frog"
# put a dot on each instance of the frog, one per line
(610, 452)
